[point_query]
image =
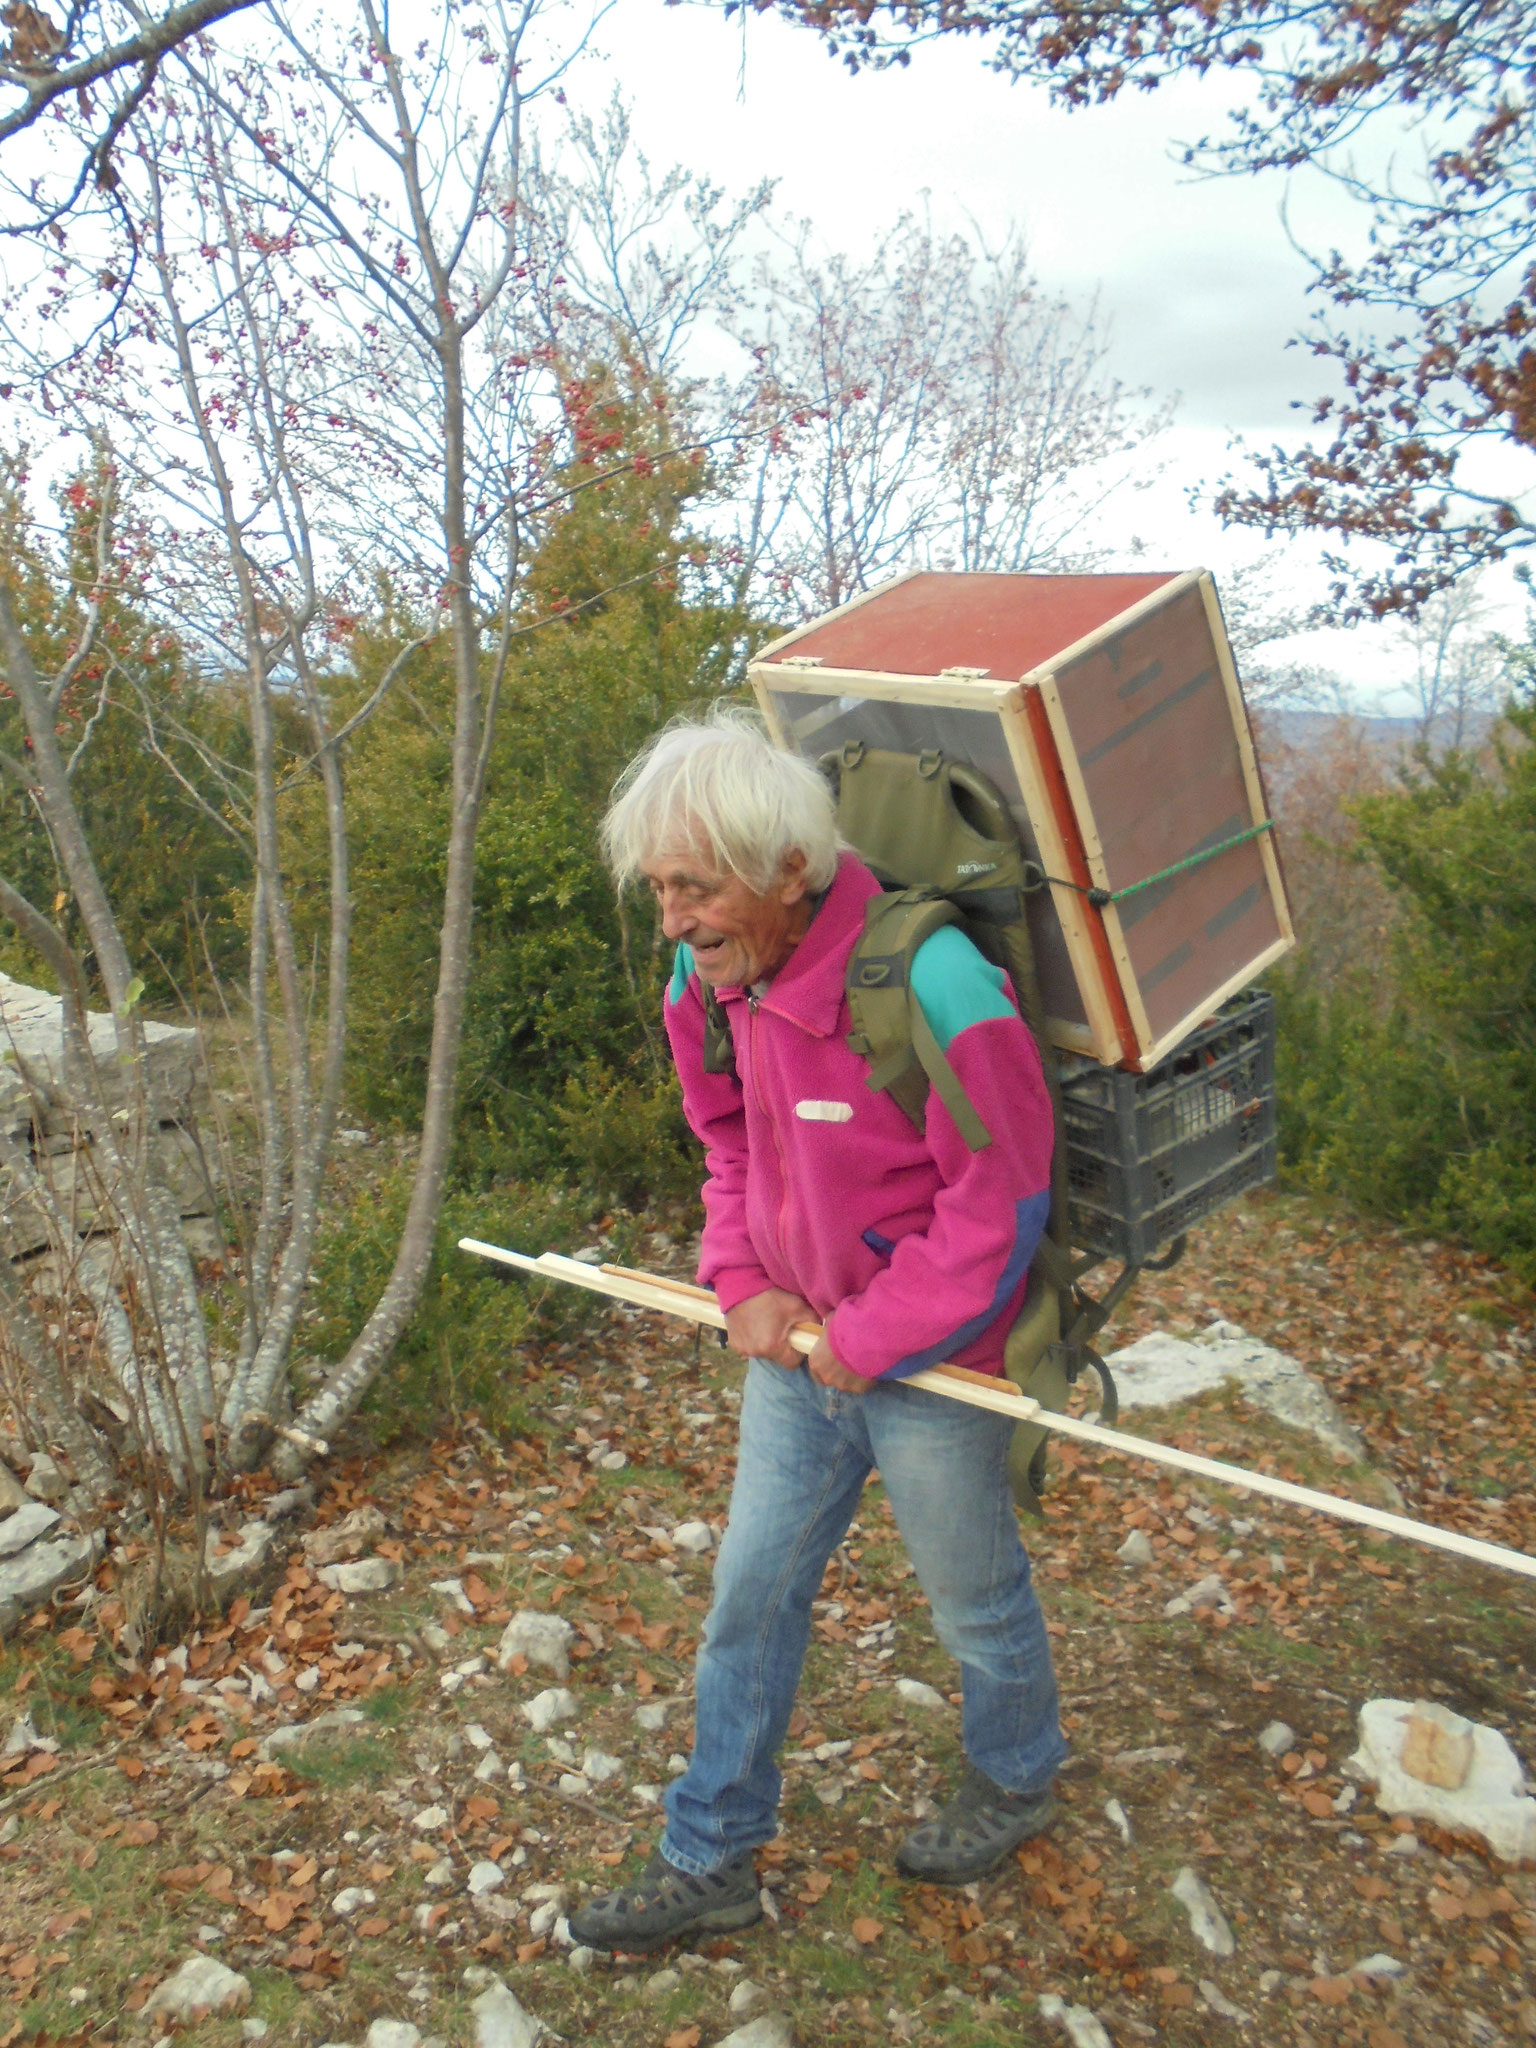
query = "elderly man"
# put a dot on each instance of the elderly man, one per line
(824, 1203)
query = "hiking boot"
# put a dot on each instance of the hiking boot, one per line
(664, 1902)
(975, 1831)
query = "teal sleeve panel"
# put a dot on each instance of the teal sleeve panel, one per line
(682, 967)
(955, 986)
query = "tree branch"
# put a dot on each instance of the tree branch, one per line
(152, 42)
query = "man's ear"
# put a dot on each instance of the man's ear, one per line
(792, 885)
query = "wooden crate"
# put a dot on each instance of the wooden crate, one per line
(1108, 711)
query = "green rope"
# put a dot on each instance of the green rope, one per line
(1099, 898)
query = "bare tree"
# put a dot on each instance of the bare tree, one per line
(1459, 674)
(1429, 330)
(644, 261)
(118, 48)
(933, 408)
(325, 367)
(1260, 617)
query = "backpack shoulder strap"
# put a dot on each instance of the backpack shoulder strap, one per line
(890, 1031)
(719, 1046)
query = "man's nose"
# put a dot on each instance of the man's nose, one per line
(677, 921)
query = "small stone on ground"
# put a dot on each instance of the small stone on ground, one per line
(1207, 1921)
(202, 1985)
(1081, 2027)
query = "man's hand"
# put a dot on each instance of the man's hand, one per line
(759, 1327)
(823, 1364)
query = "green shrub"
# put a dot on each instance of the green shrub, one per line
(1422, 1107)
(460, 1351)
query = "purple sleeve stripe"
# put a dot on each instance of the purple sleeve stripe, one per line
(1030, 1218)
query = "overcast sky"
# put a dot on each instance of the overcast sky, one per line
(1199, 281)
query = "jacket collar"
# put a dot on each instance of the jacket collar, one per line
(808, 990)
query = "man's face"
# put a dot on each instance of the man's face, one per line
(736, 935)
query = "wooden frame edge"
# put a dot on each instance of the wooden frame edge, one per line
(1093, 963)
(1109, 918)
(955, 693)
(1252, 779)
(1174, 1037)
(1097, 1037)
(1180, 581)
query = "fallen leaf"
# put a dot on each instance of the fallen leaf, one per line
(685, 2037)
(866, 1930)
(1331, 1990)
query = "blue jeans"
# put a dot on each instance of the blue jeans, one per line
(804, 1455)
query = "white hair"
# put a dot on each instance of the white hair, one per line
(719, 785)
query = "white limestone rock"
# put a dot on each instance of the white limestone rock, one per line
(1136, 1551)
(1207, 1921)
(392, 2034)
(1379, 1965)
(203, 1985)
(348, 1538)
(746, 1999)
(45, 1481)
(549, 1709)
(33, 1518)
(768, 2030)
(1492, 1801)
(452, 1590)
(1219, 2002)
(294, 1734)
(917, 1694)
(694, 1537)
(1159, 1369)
(1081, 2027)
(1277, 1740)
(544, 1639)
(485, 1876)
(502, 2021)
(12, 1493)
(253, 1546)
(362, 1575)
(351, 1899)
(27, 1579)
(1210, 1591)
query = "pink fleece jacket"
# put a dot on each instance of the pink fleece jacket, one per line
(912, 1248)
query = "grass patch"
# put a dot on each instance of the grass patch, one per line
(333, 1765)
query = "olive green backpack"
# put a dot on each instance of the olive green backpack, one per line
(945, 849)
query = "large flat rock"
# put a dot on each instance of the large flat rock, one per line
(32, 1032)
(32, 1045)
(1159, 1370)
(27, 1579)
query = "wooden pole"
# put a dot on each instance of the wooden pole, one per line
(984, 1390)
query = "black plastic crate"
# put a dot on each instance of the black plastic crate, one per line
(1150, 1154)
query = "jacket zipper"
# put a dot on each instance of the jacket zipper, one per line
(753, 1003)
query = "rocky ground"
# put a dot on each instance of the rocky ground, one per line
(371, 1795)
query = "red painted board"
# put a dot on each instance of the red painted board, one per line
(1007, 625)
(1152, 729)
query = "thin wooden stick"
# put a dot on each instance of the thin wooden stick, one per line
(983, 1390)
